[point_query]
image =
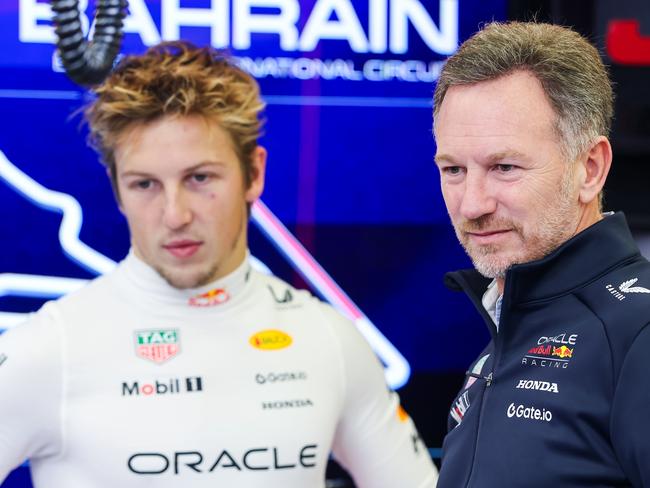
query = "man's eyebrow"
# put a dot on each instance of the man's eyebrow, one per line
(204, 165)
(507, 154)
(196, 167)
(444, 158)
(492, 158)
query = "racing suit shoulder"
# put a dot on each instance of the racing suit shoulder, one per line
(31, 379)
(375, 439)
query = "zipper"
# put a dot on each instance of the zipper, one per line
(488, 379)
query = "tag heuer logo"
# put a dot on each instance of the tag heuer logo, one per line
(157, 345)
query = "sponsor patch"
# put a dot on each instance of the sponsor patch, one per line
(171, 386)
(538, 385)
(284, 404)
(255, 458)
(562, 352)
(529, 413)
(210, 298)
(281, 298)
(551, 351)
(625, 288)
(264, 378)
(157, 345)
(270, 339)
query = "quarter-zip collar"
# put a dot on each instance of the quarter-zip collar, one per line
(569, 267)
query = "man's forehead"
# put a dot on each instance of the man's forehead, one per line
(161, 146)
(517, 99)
(508, 114)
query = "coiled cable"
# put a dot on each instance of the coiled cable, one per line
(88, 62)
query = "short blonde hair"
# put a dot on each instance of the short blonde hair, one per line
(176, 78)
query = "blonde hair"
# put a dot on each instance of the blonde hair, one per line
(569, 68)
(176, 78)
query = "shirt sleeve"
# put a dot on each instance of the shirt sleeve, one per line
(30, 392)
(375, 441)
(630, 424)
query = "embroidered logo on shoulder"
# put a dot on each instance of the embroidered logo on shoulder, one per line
(286, 297)
(625, 288)
(270, 339)
(210, 298)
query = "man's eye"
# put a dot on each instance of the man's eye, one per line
(143, 184)
(505, 168)
(452, 170)
(200, 177)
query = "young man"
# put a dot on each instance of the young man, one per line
(184, 367)
(558, 397)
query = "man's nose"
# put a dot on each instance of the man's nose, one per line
(177, 212)
(479, 197)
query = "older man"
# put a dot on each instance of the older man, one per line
(560, 396)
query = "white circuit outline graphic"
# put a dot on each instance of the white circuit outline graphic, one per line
(397, 368)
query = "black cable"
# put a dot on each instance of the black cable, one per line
(88, 63)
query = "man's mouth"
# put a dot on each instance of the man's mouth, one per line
(182, 248)
(487, 236)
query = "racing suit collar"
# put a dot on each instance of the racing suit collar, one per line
(567, 268)
(218, 292)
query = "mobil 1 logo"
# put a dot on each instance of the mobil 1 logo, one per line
(172, 386)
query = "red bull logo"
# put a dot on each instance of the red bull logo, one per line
(210, 298)
(541, 350)
(563, 352)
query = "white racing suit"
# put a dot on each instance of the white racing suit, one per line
(243, 383)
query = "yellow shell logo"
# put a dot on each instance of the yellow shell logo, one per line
(270, 339)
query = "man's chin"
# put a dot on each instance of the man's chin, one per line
(492, 268)
(186, 278)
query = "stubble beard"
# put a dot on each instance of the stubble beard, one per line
(180, 282)
(556, 225)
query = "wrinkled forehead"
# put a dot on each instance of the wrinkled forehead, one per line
(512, 112)
(519, 96)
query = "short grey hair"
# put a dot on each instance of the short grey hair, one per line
(569, 68)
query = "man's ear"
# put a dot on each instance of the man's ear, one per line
(257, 174)
(596, 163)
